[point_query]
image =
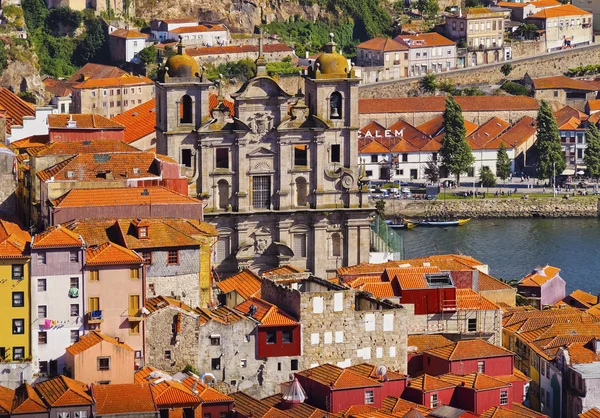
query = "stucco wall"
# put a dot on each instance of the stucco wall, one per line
(84, 366)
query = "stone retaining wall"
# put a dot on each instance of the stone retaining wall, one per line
(500, 208)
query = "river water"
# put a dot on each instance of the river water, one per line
(514, 247)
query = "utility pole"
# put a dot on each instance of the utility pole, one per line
(554, 178)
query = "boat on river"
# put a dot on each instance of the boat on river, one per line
(438, 222)
(400, 223)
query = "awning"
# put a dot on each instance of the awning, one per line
(568, 172)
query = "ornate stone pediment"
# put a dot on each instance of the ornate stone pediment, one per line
(260, 87)
(261, 152)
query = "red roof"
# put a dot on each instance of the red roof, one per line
(382, 44)
(424, 40)
(15, 107)
(82, 121)
(469, 349)
(62, 391)
(266, 313)
(560, 11)
(92, 70)
(56, 237)
(128, 34)
(154, 195)
(199, 28)
(139, 121)
(236, 49)
(91, 339)
(110, 254)
(27, 401)
(438, 104)
(13, 240)
(123, 398)
(337, 378)
(246, 283)
(94, 83)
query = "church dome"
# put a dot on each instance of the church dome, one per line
(181, 65)
(330, 63)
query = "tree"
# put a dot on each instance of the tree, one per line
(3, 60)
(432, 171)
(429, 8)
(551, 159)
(35, 12)
(592, 153)
(429, 83)
(506, 69)
(502, 163)
(94, 47)
(380, 208)
(148, 55)
(63, 20)
(487, 178)
(455, 152)
(472, 3)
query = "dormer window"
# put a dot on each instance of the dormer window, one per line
(70, 174)
(142, 232)
(136, 170)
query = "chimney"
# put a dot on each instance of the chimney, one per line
(2, 127)
(71, 123)
(596, 345)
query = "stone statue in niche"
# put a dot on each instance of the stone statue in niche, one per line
(260, 123)
(260, 245)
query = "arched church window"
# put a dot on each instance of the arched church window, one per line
(336, 245)
(223, 187)
(301, 191)
(185, 115)
(335, 103)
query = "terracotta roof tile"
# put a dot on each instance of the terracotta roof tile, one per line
(286, 269)
(123, 398)
(173, 394)
(249, 406)
(517, 134)
(469, 349)
(437, 104)
(380, 290)
(486, 133)
(545, 3)
(139, 121)
(236, 49)
(539, 276)
(382, 44)
(337, 378)
(563, 10)
(27, 401)
(222, 314)
(59, 88)
(477, 381)
(56, 237)
(206, 393)
(399, 406)
(128, 34)
(594, 105)
(267, 314)
(83, 121)
(487, 282)
(92, 70)
(154, 195)
(34, 141)
(585, 298)
(468, 299)
(6, 400)
(14, 240)
(591, 413)
(561, 82)
(427, 383)
(109, 254)
(84, 147)
(517, 411)
(369, 370)
(95, 83)
(246, 283)
(62, 391)
(91, 339)
(199, 28)
(517, 376)
(424, 40)
(160, 302)
(427, 342)
(15, 108)
(582, 353)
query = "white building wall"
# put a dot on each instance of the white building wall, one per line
(133, 48)
(37, 125)
(56, 298)
(210, 38)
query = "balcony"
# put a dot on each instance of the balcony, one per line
(396, 62)
(95, 317)
(135, 316)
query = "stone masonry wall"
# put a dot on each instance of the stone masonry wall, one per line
(186, 287)
(160, 337)
(501, 208)
(541, 66)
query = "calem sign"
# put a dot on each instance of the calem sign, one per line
(387, 133)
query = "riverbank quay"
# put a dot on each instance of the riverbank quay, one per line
(547, 207)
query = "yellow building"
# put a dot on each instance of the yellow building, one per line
(15, 318)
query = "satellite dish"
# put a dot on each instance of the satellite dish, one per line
(380, 371)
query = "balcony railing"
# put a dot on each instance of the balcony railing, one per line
(95, 317)
(135, 315)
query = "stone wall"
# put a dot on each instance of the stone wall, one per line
(160, 338)
(549, 64)
(180, 280)
(501, 208)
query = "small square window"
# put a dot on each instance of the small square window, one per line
(434, 401)
(279, 366)
(44, 367)
(42, 337)
(286, 336)
(18, 326)
(215, 363)
(41, 285)
(103, 363)
(74, 282)
(74, 256)
(17, 271)
(74, 309)
(503, 397)
(42, 312)
(168, 355)
(74, 336)
(472, 325)
(18, 353)
(246, 338)
(41, 258)
(94, 275)
(294, 365)
(215, 340)
(480, 367)
(134, 274)
(173, 257)
(243, 363)
(147, 256)
(271, 337)
(18, 299)
(369, 397)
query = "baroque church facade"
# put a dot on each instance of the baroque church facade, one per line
(280, 175)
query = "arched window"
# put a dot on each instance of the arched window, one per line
(299, 235)
(223, 187)
(185, 110)
(336, 244)
(335, 103)
(301, 191)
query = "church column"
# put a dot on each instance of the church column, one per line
(283, 228)
(242, 199)
(321, 163)
(318, 247)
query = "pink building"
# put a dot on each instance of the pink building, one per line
(542, 287)
(97, 358)
(114, 293)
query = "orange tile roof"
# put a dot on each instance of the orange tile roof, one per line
(14, 240)
(337, 378)
(435, 127)
(469, 349)
(563, 10)
(249, 406)
(103, 167)
(110, 254)
(267, 313)
(91, 339)
(545, 3)
(468, 299)
(561, 82)
(487, 132)
(286, 269)
(539, 276)
(34, 141)
(59, 88)
(173, 394)
(426, 342)
(374, 147)
(437, 104)
(125, 398)
(160, 302)
(487, 282)
(95, 83)
(477, 381)
(517, 411)
(517, 134)
(382, 44)
(427, 383)
(206, 393)
(6, 399)
(222, 314)
(27, 401)
(199, 28)
(424, 40)
(15, 107)
(594, 105)
(399, 406)
(591, 413)
(128, 34)
(84, 121)
(369, 370)
(236, 49)
(510, 4)
(246, 283)
(63, 391)
(584, 298)
(380, 290)
(139, 121)
(155, 195)
(56, 237)
(582, 353)
(84, 147)
(92, 70)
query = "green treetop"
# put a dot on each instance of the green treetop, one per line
(592, 153)
(551, 159)
(487, 178)
(455, 152)
(502, 163)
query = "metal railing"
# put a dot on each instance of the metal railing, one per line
(386, 239)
